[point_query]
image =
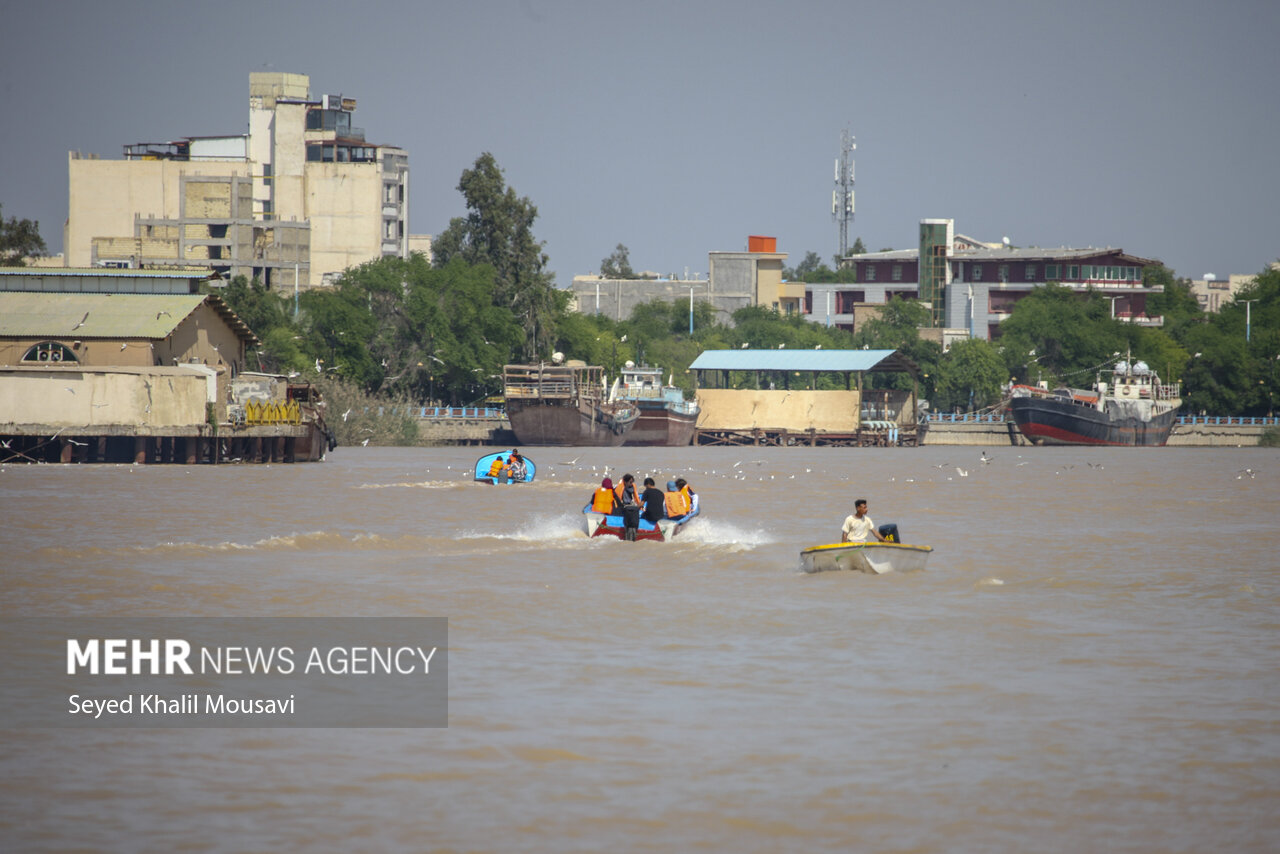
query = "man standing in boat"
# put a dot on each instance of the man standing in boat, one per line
(858, 526)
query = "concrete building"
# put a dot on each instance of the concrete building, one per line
(1213, 292)
(735, 280)
(972, 285)
(295, 201)
(137, 366)
(106, 330)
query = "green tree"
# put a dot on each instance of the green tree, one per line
(970, 376)
(811, 265)
(19, 239)
(618, 264)
(1054, 333)
(896, 327)
(254, 303)
(498, 230)
(1176, 303)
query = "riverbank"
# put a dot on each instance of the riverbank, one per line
(488, 427)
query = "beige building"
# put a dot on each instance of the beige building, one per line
(105, 330)
(735, 280)
(1213, 293)
(297, 200)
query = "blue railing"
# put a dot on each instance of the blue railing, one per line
(490, 412)
(966, 417)
(1229, 420)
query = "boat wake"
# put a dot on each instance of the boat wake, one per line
(720, 534)
(535, 529)
(421, 484)
(295, 542)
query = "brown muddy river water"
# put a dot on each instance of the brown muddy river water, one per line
(1090, 661)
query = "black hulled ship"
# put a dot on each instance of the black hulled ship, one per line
(1133, 407)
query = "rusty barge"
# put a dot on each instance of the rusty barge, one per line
(564, 404)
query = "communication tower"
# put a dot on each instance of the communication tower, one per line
(842, 195)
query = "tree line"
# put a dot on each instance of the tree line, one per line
(438, 331)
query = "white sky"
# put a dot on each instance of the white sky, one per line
(679, 128)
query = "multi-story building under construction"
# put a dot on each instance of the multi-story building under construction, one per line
(296, 200)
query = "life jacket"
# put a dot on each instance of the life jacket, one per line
(620, 491)
(495, 467)
(677, 503)
(602, 501)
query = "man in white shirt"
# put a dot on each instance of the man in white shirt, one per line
(859, 525)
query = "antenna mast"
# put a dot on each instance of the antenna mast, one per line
(842, 195)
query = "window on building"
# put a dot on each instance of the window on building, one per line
(1051, 272)
(1029, 272)
(1073, 272)
(49, 351)
(975, 275)
(1004, 272)
(846, 300)
(870, 273)
(897, 272)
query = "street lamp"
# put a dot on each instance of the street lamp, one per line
(691, 287)
(1248, 304)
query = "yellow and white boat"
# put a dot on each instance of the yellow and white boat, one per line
(876, 557)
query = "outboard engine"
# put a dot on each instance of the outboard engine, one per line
(630, 521)
(889, 531)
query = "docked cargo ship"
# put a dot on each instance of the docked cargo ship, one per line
(564, 404)
(1133, 408)
(666, 418)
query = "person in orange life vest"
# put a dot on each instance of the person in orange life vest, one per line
(676, 501)
(603, 500)
(515, 465)
(496, 466)
(627, 492)
(683, 486)
(654, 501)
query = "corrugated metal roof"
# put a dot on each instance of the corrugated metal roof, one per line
(107, 272)
(802, 360)
(52, 315)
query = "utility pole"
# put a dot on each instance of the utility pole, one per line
(842, 195)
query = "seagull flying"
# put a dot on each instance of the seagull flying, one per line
(82, 320)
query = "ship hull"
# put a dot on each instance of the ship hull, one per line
(1051, 422)
(553, 422)
(660, 425)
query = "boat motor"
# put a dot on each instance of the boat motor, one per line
(889, 531)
